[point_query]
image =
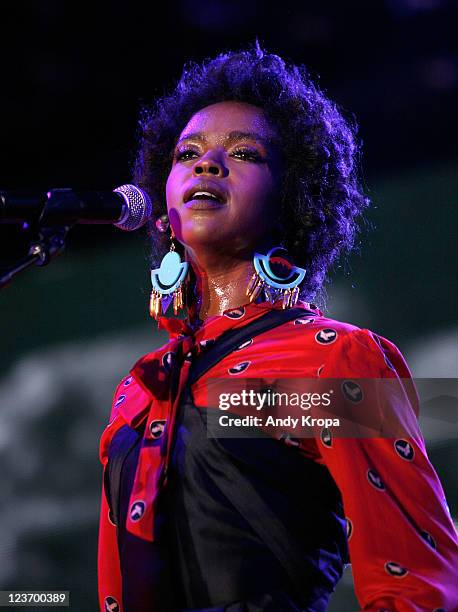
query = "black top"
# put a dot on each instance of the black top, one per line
(217, 554)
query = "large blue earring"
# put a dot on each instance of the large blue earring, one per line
(167, 281)
(276, 277)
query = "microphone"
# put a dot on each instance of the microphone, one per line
(127, 207)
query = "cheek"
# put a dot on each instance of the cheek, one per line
(173, 194)
(172, 188)
(259, 192)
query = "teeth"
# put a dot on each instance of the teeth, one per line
(205, 194)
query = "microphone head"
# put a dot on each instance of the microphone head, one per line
(137, 209)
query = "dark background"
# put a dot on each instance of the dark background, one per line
(73, 79)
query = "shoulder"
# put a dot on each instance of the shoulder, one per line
(321, 331)
(340, 348)
(358, 351)
(347, 343)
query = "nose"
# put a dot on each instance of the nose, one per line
(208, 165)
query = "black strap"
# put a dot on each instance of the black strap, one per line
(230, 340)
(233, 338)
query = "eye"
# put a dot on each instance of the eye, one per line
(243, 153)
(247, 154)
(185, 154)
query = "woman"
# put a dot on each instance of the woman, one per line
(252, 171)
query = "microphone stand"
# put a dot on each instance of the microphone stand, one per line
(49, 243)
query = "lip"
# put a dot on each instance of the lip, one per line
(209, 186)
(203, 205)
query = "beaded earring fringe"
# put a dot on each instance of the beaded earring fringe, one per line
(257, 285)
(155, 303)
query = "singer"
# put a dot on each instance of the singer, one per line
(252, 171)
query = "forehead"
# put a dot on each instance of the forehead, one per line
(224, 117)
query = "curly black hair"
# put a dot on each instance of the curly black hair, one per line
(321, 195)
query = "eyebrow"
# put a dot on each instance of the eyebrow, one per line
(230, 138)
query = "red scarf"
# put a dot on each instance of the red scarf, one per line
(152, 400)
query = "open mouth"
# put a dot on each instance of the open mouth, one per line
(204, 195)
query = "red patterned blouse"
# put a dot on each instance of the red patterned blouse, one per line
(402, 541)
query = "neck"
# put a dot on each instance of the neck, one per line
(222, 285)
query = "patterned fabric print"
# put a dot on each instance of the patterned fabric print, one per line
(403, 544)
(392, 494)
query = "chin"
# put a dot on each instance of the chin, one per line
(202, 230)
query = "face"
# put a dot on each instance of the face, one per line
(222, 190)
